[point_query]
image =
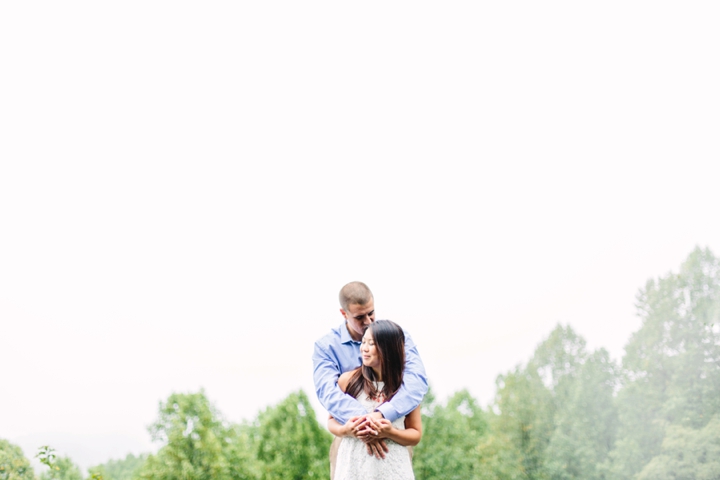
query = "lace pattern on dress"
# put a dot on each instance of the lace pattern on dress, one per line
(354, 463)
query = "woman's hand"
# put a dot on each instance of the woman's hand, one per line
(353, 427)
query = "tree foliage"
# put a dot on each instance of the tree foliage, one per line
(199, 445)
(123, 469)
(285, 442)
(62, 468)
(59, 468)
(585, 423)
(567, 414)
(13, 463)
(687, 453)
(526, 415)
(671, 370)
(290, 443)
(455, 430)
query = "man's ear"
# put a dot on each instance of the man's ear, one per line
(342, 312)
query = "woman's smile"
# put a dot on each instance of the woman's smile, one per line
(368, 350)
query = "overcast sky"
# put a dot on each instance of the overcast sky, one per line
(185, 186)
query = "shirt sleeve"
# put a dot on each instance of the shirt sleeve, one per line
(326, 372)
(414, 386)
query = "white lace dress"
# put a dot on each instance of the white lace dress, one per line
(354, 462)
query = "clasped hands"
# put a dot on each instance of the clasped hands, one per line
(371, 429)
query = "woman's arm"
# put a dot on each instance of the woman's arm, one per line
(344, 430)
(335, 427)
(409, 437)
(344, 379)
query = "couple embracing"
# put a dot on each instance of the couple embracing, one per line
(369, 377)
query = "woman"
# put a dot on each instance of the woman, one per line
(376, 381)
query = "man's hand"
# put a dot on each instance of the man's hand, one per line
(377, 447)
(369, 432)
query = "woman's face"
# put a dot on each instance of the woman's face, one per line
(369, 352)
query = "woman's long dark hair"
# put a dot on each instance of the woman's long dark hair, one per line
(389, 341)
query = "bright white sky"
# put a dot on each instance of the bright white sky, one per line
(185, 186)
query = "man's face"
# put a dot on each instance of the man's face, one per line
(358, 318)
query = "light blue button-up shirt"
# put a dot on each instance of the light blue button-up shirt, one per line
(337, 353)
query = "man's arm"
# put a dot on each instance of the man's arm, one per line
(414, 386)
(325, 374)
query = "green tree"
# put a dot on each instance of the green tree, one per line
(529, 397)
(197, 442)
(556, 414)
(122, 469)
(499, 458)
(13, 464)
(291, 444)
(558, 361)
(451, 435)
(63, 469)
(687, 453)
(525, 417)
(585, 423)
(59, 468)
(240, 453)
(671, 369)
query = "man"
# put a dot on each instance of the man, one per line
(339, 352)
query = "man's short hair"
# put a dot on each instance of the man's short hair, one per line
(354, 293)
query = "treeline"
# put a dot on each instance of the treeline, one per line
(569, 413)
(284, 442)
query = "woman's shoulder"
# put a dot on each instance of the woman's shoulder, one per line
(344, 379)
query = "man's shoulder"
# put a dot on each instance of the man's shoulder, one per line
(333, 337)
(409, 342)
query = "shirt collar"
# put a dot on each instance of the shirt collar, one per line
(345, 335)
